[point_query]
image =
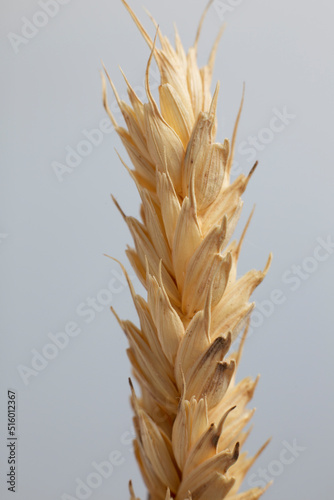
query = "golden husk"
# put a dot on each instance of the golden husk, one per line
(190, 415)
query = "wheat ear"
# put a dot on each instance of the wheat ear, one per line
(190, 417)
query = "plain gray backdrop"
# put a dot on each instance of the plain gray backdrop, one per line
(73, 411)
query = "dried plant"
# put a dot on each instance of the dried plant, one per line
(190, 417)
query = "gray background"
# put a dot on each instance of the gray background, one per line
(54, 234)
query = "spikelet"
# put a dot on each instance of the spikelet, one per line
(191, 415)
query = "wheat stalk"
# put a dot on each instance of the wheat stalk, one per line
(191, 415)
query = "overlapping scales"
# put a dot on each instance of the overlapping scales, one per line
(190, 416)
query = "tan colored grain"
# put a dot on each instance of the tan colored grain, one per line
(190, 415)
